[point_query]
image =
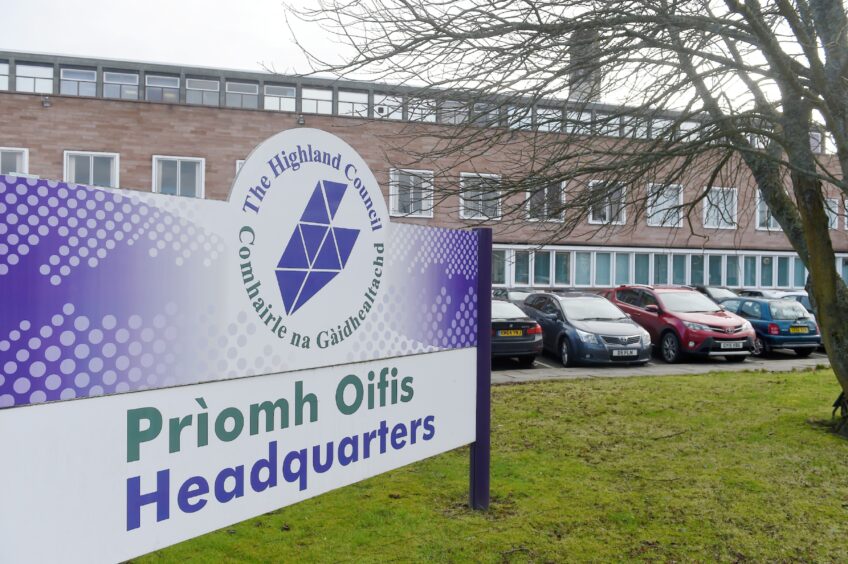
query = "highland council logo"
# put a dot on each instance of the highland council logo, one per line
(312, 238)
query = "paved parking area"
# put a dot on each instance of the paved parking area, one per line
(506, 371)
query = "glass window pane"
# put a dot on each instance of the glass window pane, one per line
(188, 178)
(80, 171)
(642, 267)
(603, 264)
(498, 267)
(102, 171)
(696, 271)
(766, 271)
(199, 84)
(542, 268)
(168, 177)
(163, 81)
(622, 268)
(87, 89)
(845, 269)
(750, 271)
(522, 267)
(583, 269)
(77, 74)
(715, 270)
(732, 271)
(562, 268)
(783, 271)
(800, 273)
(678, 272)
(120, 78)
(282, 91)
(388, 107)
(35, 71)
(11, 161)
(660, 269)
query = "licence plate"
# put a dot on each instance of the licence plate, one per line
(510, 333)
(735, 345)
(625, 352)
(799, 329)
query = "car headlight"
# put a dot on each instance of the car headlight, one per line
(590, 338)
(646, 339)
(696, 326)
(746, 326)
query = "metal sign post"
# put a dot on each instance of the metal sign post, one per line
(480, 448)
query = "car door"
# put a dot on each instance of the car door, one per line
(553, 319)
(650, 320)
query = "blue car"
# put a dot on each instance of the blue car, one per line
(779, 324)
(580, 327)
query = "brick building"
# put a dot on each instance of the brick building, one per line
(185, 131)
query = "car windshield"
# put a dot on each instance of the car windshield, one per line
(591, 309)
(688, 302)
(519, 295)
(506, 310)
(786, 309)
(722, 293)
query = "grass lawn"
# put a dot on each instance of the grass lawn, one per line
(731, 467)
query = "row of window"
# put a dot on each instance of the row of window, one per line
(126, 85)
(586, 268)
(180, 176)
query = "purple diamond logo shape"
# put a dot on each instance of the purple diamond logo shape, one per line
(317, 250)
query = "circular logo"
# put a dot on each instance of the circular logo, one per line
(311, 237)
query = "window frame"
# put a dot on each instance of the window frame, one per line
(622, 213)
(828, 202)
(707, 206)
(319, 102)
(178, 87)
(35, 79)
(757, 226)
(652, 211)
(560, 218)
(462, 207)
(121, 85)
(202, 190)
(394, 185)
(116, 165)
(77, 82)
(24, 159)
(216, 90)
(268, 97)
(241, 95)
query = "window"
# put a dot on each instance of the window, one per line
(519, 117)
(498, 267)
(4, 75)
(94, 169)
(678, 269)
(845, 269)
(642, 269)
(202, 92)
(316, 101)
(607, 203)
(664, 203)
(480, 196)
(816, 143)
(662, 128)
(14, 161)
(542, 268)
(714, 270)
(800, 277)
(545, 203)
(280, 98)
(635, 127)
(37, 79)
(766, 271)
(583, 269)
(783, 271)
(720, 208)
(660, 269)
(731, 271)
(696, 269)
(422, 110)
(78, 82)
(548, 119)
(831, 207)
(180, 176)
(242, 95)
(562, 269)
(453, 112)
(485, 115)
(522, 267)
(608, 124)
(162, 88)
(353, 103)
(688, 131)
(579, 123)
(388, 107)
(411, 192)
(603, 266)
(750, 271)
(120, 85)
(765, 220)
(622, 268)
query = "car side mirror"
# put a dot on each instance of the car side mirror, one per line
(652, 308)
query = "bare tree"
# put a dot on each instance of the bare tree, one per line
(734, 91)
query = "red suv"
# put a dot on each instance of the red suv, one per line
(682, 322)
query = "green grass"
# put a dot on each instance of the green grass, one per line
(731, 467)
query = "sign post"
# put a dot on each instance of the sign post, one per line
(480, 448)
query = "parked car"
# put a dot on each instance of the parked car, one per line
(716, 293)
(682, 321)
(514, 334)
(514, 295)
(768, 294)
(780, 324)
(802, 298)
(580, 327)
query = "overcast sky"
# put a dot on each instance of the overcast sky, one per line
(244, 34)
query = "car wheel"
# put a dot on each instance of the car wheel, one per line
(803, 352)
(739, 358)
(670, 348)
(760, 348)
(526, 361)
(565, 352)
